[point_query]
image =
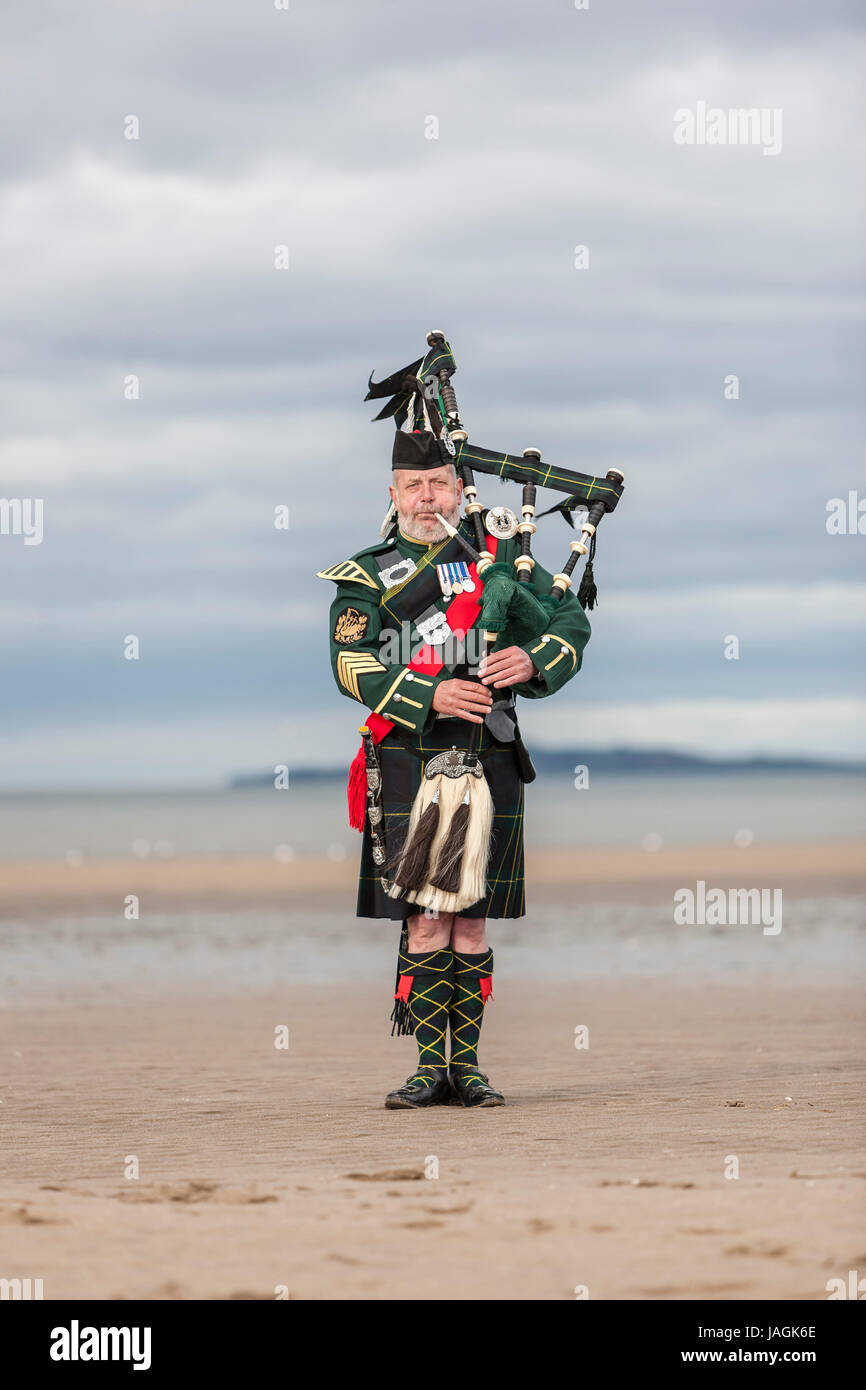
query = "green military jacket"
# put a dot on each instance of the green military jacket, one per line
(371, 599)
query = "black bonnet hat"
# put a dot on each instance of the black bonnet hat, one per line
(419, 450)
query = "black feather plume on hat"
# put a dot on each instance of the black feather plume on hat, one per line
(400, 386)
(403, 385)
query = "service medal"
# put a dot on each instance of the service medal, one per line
(444, 580)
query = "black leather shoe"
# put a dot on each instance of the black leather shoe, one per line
(426, 1086)
(471, 1086)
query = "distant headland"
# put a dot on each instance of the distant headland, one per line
(563, 761)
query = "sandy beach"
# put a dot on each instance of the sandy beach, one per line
(97, 884)
(266, 1171)
(260, 1168)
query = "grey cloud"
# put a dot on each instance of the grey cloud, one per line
(154, 257)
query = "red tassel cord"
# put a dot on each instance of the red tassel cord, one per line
(356, 791)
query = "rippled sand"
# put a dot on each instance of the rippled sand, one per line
(157, 1144)
(261, 1168)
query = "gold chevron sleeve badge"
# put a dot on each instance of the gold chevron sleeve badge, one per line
(348, 571)
(351, 665)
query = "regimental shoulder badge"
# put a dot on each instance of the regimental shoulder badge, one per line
(348, 572)
(350, 627)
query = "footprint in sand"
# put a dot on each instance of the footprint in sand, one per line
(23, 1216)
(770, 1252)
(388, 1175)
(538, 1225)
(195, 1190)
(675, 1291)
(641, 1182)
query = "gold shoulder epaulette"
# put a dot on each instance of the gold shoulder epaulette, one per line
(348, 571)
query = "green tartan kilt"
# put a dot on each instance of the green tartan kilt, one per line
(402, 760)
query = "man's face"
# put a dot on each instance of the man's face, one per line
(418, 496)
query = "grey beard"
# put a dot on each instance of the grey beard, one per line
(406, 522)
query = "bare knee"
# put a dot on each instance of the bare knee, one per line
(429, 933)
(469, 934)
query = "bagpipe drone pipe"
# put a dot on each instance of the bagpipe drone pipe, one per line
(442, 865)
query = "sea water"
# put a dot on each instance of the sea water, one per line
(616, 810)
(565, 935)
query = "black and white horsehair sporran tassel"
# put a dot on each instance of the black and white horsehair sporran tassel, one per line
(411, 867)
(450, 862)
(444, 861)
(460, 848)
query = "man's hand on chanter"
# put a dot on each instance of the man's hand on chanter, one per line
(511, 666)
(466, 699)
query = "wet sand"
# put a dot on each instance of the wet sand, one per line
(99, 885)
(265, 1171)
(156, 1143)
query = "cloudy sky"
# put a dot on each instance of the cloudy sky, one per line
(309, 127)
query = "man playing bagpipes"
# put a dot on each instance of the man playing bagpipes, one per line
(435, 629)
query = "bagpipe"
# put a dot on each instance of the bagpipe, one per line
(443, 862)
